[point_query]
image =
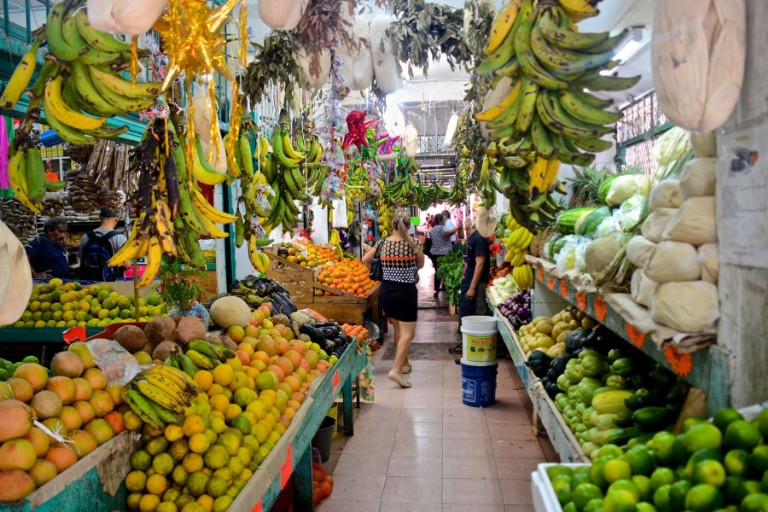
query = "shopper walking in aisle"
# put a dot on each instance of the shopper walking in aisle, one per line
(401, 258)
(98, 246)
(477, 267)
(47, 253)
(441, 245)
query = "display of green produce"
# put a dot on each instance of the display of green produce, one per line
(8, 367)
(63, 305)
(709, 467)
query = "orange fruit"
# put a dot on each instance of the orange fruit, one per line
(22, 390)
(62, 457)
(17, 454)
(83, 389)
(96, 377)
(101, 430)
(42, 471)
(115, 420)
(85, 410)
(100, 400)
(39, 440)
(85, 442)
(70, 418)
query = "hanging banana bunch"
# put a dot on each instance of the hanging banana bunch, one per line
(26, 173)
(172, 212)
(548, 114)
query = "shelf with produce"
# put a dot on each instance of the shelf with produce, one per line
(291, 456)
(546, 412)
(705, 368)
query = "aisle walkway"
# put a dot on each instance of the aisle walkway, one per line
(421, 449)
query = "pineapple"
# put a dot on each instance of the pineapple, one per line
(585, 185)
(538, 242)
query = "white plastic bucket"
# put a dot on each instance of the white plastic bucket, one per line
(478, 339)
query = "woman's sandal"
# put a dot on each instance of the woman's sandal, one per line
(406, 369)
(399, 379)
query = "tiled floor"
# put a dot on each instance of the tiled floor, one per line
(421, 449)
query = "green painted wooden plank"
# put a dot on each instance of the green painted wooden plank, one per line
(41, 335)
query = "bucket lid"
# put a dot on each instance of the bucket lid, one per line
(466, 362)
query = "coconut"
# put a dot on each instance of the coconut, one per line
(159, 329)
(130, 337)
(165, 349)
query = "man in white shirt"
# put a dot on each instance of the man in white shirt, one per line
(449, 225)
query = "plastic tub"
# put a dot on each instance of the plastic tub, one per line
(478, 385)
(478, 339)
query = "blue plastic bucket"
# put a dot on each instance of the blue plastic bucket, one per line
(478, 384)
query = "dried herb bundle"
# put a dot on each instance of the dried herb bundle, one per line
(323, 26)
(273, 64)
(478, 18)
(424, 31)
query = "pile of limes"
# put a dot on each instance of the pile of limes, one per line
(709, 467)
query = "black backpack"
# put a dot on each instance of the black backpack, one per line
(96, 254)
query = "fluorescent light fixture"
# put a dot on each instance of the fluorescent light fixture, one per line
(639, 36)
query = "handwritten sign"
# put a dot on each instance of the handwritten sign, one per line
(286, 470)
(551, 283)
(541, 274)
(600, 308)
(581, 301)
(635, 336)
(564, 288)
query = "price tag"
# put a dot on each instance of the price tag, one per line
(286, 470)
(681, 363)
(335, 381)
(600, 308)
(635, 336)
(551, 283)
(74, 334)
(257, 507)
(564, 288)
(581, 301)
(541, 274)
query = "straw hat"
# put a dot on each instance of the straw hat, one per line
(15, 279)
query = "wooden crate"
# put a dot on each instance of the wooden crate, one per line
(303, 289)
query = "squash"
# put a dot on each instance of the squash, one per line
(611, 402)
(538, 362)
(698, 60)
(575, 340)
(230, 310)
(556, 350)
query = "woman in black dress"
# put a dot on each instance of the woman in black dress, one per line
(401, 258)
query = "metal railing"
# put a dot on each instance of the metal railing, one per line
(641, 124)
(21, 17)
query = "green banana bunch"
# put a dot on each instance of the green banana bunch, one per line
(26, 173)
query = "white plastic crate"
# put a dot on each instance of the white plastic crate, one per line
(544, 497)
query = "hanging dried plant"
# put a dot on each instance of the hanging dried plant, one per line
(325, 25)
(273, 64)
(478, 18)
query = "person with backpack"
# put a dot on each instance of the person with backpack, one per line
(98, 246)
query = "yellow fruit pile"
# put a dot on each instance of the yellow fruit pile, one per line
(66, 305)
(243, 408)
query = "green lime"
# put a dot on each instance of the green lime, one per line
(643, 484)
(596, 473)
(584, 493)
(640, 460)
(703, 435)
(644, 506)
(661, 498)
(677, 494)
(746, 488)
(732, 488)
(662, 444)
(725, 417)
(736, 463)
(757, 502)
(611, 450)
(661, 476)
(679, 453)
(709, 472)
(553, 471)
(616, 469)
(759, 459)
(141, 460)
(762, 423)
(570, 507)
(580, 476)
(700, 456)
(704, 498)
(595, 505)
(620, 501)
(562, 487)
(742, 434)
(624, 485)
(690, 422)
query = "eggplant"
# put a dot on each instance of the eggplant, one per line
(315, 334)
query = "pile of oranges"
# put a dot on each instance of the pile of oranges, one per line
(348, 275)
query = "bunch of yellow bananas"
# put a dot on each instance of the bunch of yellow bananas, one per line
(517, 245)
(174, 214)
(159, 395)
(544, 68)
(523, 276)
(386, 212)
(26, 172)
(80, 84)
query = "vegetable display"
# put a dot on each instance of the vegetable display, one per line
(710, 466)
(517, 309)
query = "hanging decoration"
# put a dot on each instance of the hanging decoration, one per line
(357, 126)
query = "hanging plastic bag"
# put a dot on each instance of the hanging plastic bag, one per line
(340, 213)
(332, 188)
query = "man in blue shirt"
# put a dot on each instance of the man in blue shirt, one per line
(47, 253)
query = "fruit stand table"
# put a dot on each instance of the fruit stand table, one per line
(291, 456)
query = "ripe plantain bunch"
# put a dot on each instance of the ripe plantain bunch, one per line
(286, 169)
(547, 117)
(79, 85)
(172, 212)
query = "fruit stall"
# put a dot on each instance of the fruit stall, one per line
(610, 152)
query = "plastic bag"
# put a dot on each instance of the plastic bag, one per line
(608, 226)
(572, 253)
(631, 211)
(340, 213)
(332, 188)
(118, 365)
